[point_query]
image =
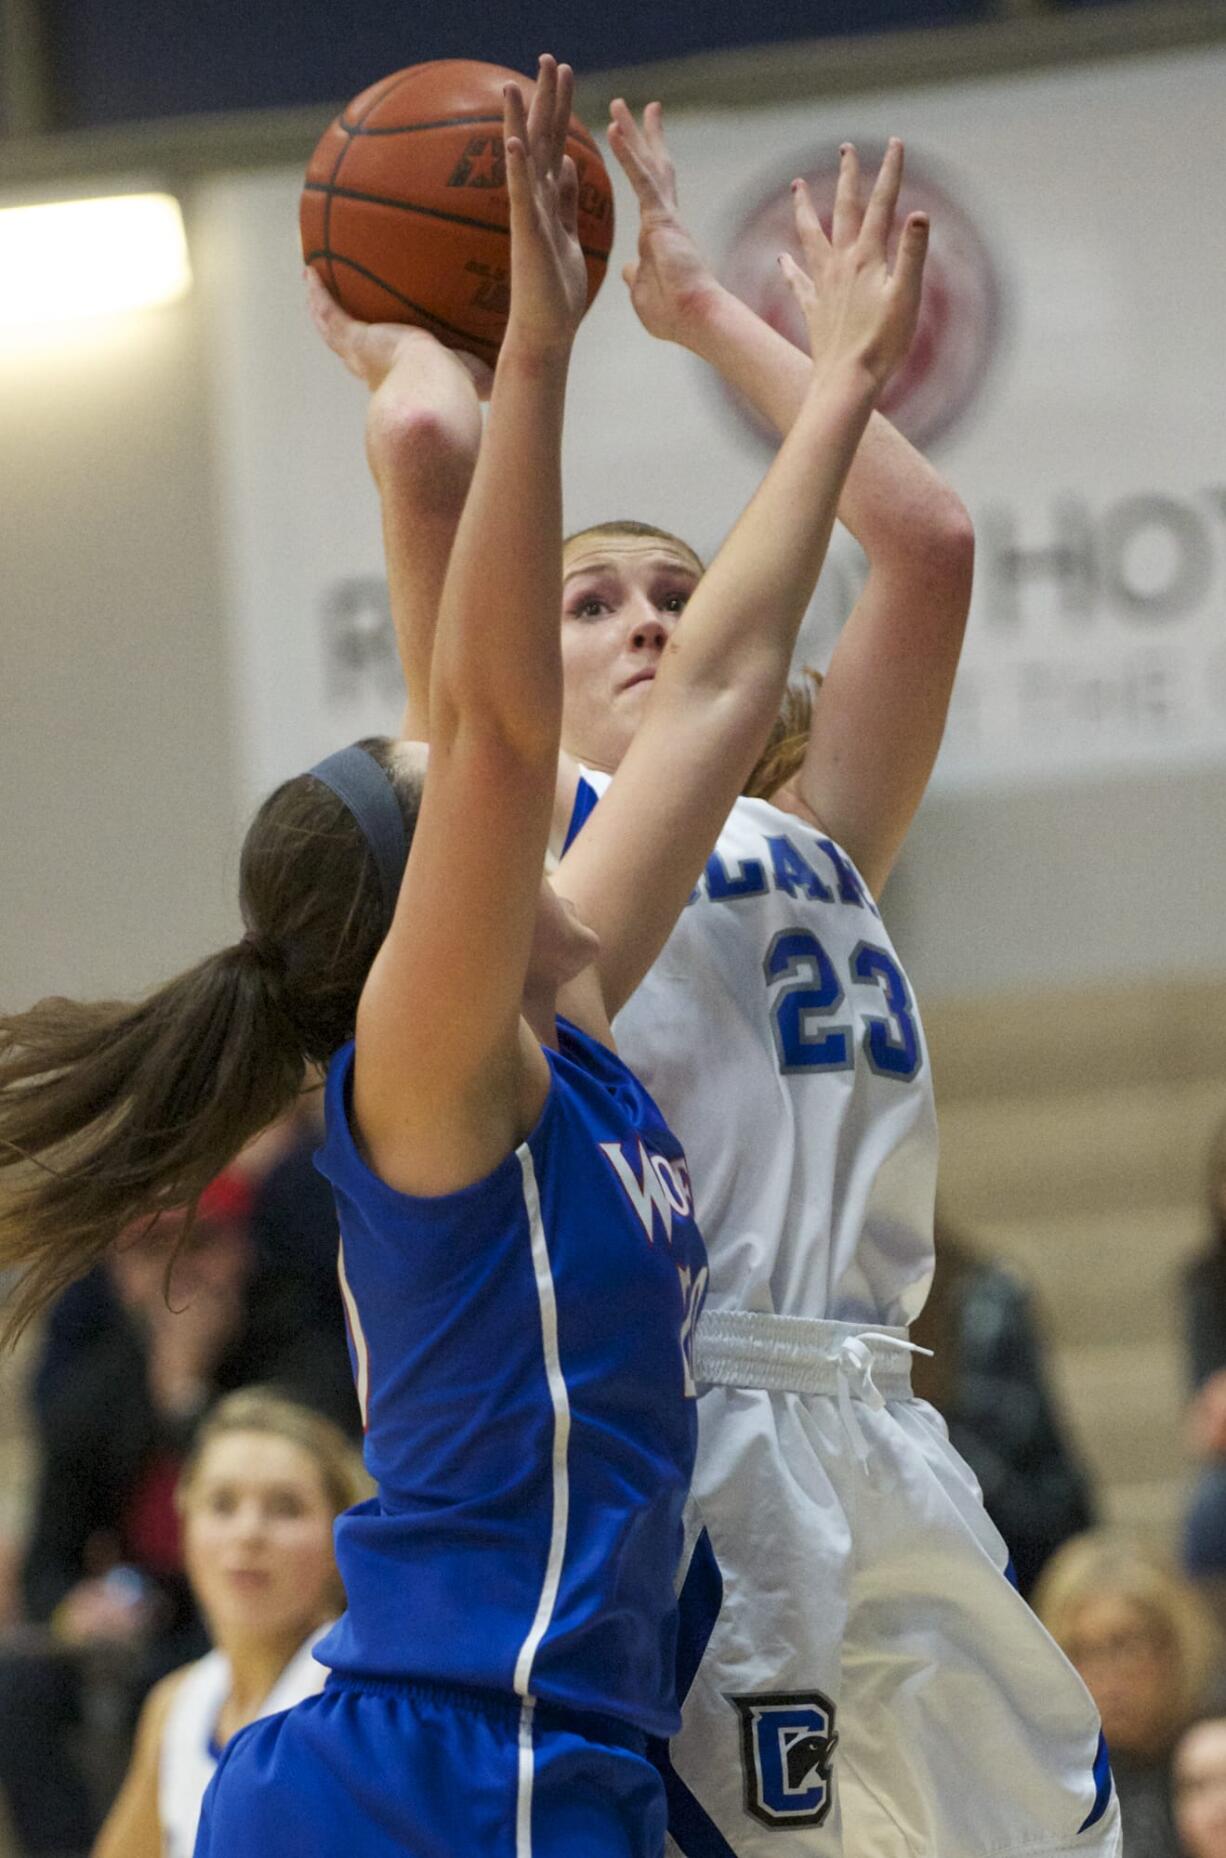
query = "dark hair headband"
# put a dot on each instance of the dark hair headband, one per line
(357, 780)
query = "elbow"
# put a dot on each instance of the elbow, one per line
(416, 452)
(952, 539)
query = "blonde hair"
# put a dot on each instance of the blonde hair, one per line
(1099, 1563)
(789, 737)
(624, 526)
(788, 740)
(263, 1409)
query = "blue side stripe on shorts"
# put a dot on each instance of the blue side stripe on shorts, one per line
(698, 1604)
(1102, 1784)
(694, 1832)
(585, 805)
(1010, 1573)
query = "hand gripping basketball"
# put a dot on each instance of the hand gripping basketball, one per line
(405, 211)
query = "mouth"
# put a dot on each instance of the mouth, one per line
(640, 677)
(247, 1579)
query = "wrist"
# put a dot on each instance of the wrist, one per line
(847, 380)
(534, 356)
(705, 317)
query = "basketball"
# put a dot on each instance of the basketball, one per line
(405, 213)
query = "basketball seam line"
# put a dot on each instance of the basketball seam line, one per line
(429, 212)
(448, 122)
(465, 335)
(384, 90)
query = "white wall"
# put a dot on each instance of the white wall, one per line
(116, 770)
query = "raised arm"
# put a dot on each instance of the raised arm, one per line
(445, 1080)
(879, 718)
(725, 668)
(423, 432)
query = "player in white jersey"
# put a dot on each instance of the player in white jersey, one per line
(862, 1676)
(258, 1497)
(864, 1606)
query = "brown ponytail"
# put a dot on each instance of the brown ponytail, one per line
(112, 1112)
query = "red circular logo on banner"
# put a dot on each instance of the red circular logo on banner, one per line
(959, 317)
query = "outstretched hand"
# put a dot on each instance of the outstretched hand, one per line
(670, 278)
(856, 308)
(548, 270)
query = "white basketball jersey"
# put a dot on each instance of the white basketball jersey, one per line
(779, 1035)
(186, 1760)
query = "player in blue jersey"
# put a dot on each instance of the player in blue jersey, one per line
(857, 1675)
(520, 1261)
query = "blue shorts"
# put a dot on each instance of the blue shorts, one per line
(405, 1770)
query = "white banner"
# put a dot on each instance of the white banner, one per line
(1068, 379)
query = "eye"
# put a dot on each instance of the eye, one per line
(674, 603)
(589, 608)
(284, 1503)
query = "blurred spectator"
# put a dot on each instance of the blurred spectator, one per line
(1199, 1777)
(1148, 1649)
(1204, 1310)
(295, 1316)
(258, 1497)
(119, 1405)
(988, 1379)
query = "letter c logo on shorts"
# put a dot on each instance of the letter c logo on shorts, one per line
(787, 1744)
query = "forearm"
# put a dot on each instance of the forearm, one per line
(742, 622)
(893, 502)
(497, 655)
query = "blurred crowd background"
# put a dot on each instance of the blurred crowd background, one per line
(1062, 920)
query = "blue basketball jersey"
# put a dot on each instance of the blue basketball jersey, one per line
(522, 1353)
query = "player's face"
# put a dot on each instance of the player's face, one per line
(621, 598)
(1200, 1790)
(257, 1539)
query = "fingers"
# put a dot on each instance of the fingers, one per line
(653, 130)
(627, 142)
(813, 241)
(338, 329)
(541, 113)
(909, 263)
(799, 282)
(519, 172)
(568, 196)
(514, 116)
(848, 210)
(549, 115)
(879, 214)
(563, 104)
(326, 313)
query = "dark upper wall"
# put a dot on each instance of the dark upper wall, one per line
(116, 61)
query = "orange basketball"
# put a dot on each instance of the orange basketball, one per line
(405, 213)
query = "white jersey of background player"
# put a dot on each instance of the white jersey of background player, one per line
(859, 1674)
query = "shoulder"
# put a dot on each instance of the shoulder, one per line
(156, 1710)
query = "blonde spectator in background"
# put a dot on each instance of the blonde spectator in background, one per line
(258, 1496)
(1199, 1773)
(1148, 1649)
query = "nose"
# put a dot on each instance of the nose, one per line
(648, 628)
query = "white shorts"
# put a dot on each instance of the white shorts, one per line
(867, 1681)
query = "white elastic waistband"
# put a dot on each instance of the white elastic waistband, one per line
(796, 1354)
